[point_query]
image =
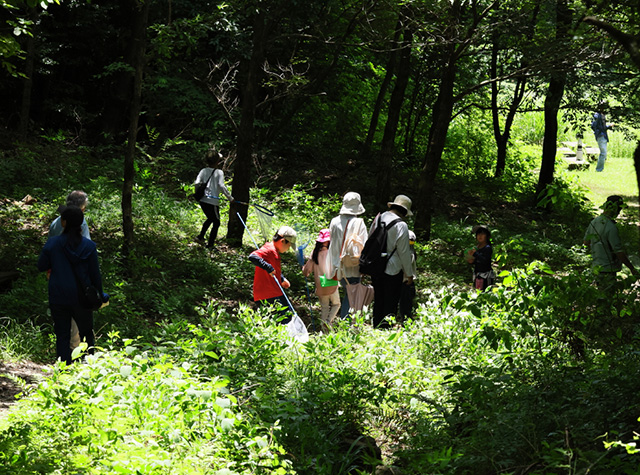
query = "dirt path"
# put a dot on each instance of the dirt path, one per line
(16, 378)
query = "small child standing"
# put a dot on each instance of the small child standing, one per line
(480, 257)
(408, 289)
(327, 294)
(267, 262)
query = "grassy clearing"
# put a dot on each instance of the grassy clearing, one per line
(618, 178)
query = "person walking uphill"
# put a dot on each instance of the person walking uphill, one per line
(267, 262)
(346, 229)
(70, 255)
(79, 199)
(399, 267)
(606, 249)
(211, 181)
(600, 127)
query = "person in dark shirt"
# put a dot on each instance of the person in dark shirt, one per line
(600, 127)
(71, 256)
(480, 257)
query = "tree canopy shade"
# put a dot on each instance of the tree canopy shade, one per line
(371, 91)
(17, 20)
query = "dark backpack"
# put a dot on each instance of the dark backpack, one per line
(201, 187)
(374, 257)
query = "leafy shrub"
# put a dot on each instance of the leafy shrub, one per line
(136, 411)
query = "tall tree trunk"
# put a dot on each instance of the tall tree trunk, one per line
(246, 133)
(442, 110)
(382, 92)
(551, 107)
(385, 164)
(139, 40)
(636, 162)
(25, 106)
(552, 102)
(502, 138)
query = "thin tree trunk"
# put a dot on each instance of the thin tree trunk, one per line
(552, 103)
(246, 133)
(549, 146)
(636, 162)
(385, 164)
(442, 110)
(139, 39)
(377, 108)
(25, 107)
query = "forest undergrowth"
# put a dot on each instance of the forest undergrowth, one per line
(538, 375)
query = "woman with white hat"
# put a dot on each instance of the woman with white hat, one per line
(345, 229)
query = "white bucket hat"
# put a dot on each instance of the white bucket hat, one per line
(404, 202)
(351, 204)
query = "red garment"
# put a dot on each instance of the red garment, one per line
(264, 287)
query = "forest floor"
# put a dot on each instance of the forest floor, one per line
(16, 378)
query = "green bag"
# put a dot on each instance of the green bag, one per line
(326, 282)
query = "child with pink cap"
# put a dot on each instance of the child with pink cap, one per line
(326, 289)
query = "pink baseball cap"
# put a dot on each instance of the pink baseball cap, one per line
(324, 236)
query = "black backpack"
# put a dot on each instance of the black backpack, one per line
(374, 257)
(201, 187)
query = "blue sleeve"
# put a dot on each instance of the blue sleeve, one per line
(44, 261)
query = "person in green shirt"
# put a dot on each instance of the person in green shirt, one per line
(606, 248)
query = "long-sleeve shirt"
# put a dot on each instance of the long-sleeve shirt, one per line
(266, 259)
(215, 185)
(337, 229)
(398, 244)
(602, 235)
(59, 257)
(599, 126)
(318, 270)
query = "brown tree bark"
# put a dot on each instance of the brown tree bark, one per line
(552, 102)
(385, 163)
(382, 92)
(139, 40)
(25, 106)
(246, 132)
(442, 110)
(502, 137)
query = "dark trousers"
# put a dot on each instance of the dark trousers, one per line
(407, 295)
(212, 212)
(283, 312)
(62, 315)
(387, 290)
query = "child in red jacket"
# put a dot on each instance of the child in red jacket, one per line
(267, 262)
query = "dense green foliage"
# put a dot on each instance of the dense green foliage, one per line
(537, 376)
(308, 100)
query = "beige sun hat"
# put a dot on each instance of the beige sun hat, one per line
(287, 233)
(404, 202)
(351, 204)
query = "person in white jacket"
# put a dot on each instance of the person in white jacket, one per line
(210, 202)
(338, 267)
